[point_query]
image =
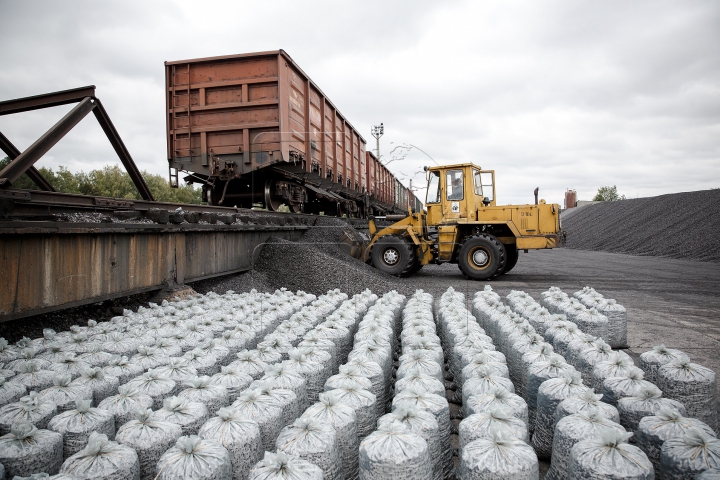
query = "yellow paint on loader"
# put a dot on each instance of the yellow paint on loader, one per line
(463, 224)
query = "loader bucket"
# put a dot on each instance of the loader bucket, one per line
(353, 243)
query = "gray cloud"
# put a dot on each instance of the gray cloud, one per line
(556, 94)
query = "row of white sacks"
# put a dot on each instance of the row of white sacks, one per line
(493, 435)
(544, 371)
(304, 369)
(309, 449)
(323, 442)
(690, 384)
(588, 309)
(413, 440)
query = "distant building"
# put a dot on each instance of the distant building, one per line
(580, 203)
(570, 198)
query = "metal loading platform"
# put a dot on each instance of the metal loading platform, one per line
(46, 266)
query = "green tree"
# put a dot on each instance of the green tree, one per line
(608, 194)
(110, 181)
(24, 181)
(63, 180)
(162, 191)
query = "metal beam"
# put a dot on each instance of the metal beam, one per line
(46, 100)
(33, 153)
(104, 120)
(39, 180)
(7, 147)
(32, 172)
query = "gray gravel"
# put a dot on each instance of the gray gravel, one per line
(680, 225)
(316, 264)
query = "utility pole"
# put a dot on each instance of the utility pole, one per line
(377, 132)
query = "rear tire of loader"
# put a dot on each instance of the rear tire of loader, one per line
(481, 257)
(512, 254)
(392, 254)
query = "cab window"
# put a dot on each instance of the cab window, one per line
(433, 190)
(486, 180)
(477, 183)
(454, 184)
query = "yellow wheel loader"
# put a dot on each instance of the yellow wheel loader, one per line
(463, 225)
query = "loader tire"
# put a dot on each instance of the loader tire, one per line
(392, 254)
(417, 266)
(481, 257)
(512, 254)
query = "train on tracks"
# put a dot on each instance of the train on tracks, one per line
(255, 130)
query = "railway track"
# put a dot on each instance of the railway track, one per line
(36, 205)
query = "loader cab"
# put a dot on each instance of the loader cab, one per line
(456, 192)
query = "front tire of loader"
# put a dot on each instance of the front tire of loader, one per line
(481, 257)
(512, 254)
(417, 266)
(392, 254)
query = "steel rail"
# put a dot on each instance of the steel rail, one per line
(27, 202)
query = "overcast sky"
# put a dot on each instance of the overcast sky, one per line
(555, 94)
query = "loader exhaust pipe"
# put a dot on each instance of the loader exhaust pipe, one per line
(537, 189)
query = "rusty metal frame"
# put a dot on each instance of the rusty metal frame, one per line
(104, 120)
(48, 267)
(12, 152)
(86, 102)
(46, 100)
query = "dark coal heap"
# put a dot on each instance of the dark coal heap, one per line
(680, 225)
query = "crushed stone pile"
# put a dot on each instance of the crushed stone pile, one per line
(679, 225)
(316, 263)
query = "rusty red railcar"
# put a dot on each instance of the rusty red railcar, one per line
(254, 129)
(381, 186)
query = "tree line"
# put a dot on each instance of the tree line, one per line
(608, 194)
(109, 181)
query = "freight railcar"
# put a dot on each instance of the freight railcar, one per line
(381, 187)
(418, 204)
(254, 129)
(405, 198)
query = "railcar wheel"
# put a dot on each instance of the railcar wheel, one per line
(272, 202)
(392, 254)
(481, 257)
(217, 193)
